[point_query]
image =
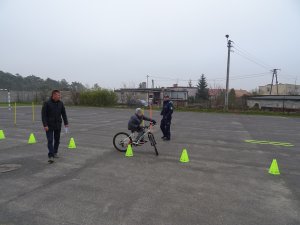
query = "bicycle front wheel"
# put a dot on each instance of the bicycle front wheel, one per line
(153, 142)
(121, 141)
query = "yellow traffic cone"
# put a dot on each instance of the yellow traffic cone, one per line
(184, 156)
(2, 135)
(72, 143)
(129, 152)
(31, 139)
(274, 168)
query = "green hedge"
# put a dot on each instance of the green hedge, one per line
(100, 97)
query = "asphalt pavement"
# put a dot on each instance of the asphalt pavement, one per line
(226, 181)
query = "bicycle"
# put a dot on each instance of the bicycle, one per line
(122, 139)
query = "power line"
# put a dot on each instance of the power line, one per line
(214, 79)
(246, 77)
(250, 55)
(248, 58)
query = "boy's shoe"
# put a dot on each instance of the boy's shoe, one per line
(136, 143)
(51, 160)
(56, 156)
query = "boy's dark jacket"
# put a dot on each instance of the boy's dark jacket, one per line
(135, 122)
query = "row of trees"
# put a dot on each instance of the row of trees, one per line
(34, 83)
(80, 94)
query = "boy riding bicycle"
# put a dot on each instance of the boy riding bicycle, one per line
(135, 124)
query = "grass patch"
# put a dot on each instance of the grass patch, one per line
(242, 112)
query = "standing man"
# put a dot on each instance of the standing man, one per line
(165, 124)
(53, 112)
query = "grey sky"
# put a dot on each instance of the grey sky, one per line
(112, 42)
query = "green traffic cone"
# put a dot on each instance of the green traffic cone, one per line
(2, 135)
(274, 168)
(184, 156)
(72, 143)
(31, 139)
(129, 152)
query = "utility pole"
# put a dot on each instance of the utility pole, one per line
(147, 80)
(229, 42)
(274, 71)
(295, 91)
(147, 89)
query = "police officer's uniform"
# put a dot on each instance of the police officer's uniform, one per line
(165, 124)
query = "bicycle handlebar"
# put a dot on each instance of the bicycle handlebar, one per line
(151, 124)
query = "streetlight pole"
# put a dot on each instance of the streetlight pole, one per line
(229, 42)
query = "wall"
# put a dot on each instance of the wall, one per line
(287, 104)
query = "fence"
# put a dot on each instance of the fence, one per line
(33, 96)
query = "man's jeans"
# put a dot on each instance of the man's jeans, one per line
(53, 136)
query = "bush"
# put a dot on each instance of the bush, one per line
(99, 97)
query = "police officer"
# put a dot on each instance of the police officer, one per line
(166, 113)
(53, 112)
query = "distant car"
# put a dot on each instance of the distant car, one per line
(143, 102)
(138, 102)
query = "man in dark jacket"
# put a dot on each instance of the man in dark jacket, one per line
(53, 112)
(135, 124)
(165, 124)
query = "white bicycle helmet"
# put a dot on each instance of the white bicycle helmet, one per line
(138, 110)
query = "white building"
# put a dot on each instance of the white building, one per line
(283, 89)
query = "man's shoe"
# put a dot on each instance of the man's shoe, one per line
(56, 156)
(163, 137)
(51, 160)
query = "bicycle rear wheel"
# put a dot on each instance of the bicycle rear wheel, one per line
(121, 140)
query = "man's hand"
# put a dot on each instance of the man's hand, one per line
(46, 128)
(67, 125)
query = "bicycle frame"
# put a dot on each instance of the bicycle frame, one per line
(142, 137)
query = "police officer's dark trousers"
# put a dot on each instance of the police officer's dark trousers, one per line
(165, 126)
